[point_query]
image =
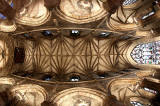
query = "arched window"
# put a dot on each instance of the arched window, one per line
(150, 90)
(11, 4)
(2, 16)
(135, 103)
(74, 78)
(103, 75)
(128, 2)
(47, 77)
(104, 34)
(148, 53)
(47, 33)
(74, 33)
(148, 15)
(26, 35)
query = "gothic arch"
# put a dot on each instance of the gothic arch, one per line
(145, 45)
(80, 12)
(33, 14)
(126, 88)
(31, 94)
(79, 95)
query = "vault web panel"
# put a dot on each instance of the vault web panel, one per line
(66, 55)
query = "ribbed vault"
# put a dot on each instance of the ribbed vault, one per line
(70, 55)
(79, 52)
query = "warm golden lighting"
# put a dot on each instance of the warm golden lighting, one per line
(34, 14)
(3, 54)
(32, 94)
(81, 11)
(79, 97)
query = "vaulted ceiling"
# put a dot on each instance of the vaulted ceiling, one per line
(79, 52)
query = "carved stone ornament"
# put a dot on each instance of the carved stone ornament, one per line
(33, 14)
(81, 11)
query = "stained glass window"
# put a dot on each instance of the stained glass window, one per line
(102, 75)
(135, 103)
(150, 90)
(104, 34)
(74, 33)
(12, 4)
(74, 78)
(148, 15)
(2, 16)
(47, 77)
(148, 53)
(128, 2)
(47, 33)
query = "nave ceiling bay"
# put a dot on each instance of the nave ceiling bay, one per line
(79, 52)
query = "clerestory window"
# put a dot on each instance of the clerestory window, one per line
(148, 53)
(129, 2)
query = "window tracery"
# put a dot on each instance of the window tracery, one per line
(81, 102)
(148, 15)
(148, 53)
(150, 90)
(135, 103)
(129, 2)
